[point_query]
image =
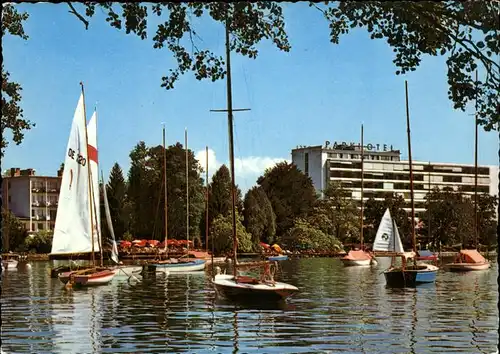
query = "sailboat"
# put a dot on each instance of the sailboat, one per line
(471, 259)
(235, 286)
(172, 264)
(409, 275)
(359, 257)
(76, 227)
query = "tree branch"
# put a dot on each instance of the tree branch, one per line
(80, 17)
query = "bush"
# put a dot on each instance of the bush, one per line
(40, 242)
(303, 236)
(221, 232)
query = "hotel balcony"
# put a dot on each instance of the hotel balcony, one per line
(38, 189)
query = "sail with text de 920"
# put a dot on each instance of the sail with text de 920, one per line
(94, 170)
(72, 232)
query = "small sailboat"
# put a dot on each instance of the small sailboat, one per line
(76, 229)
(359, 257)
(235, 286)
(471, 259)
(173, 264)
(407, 275)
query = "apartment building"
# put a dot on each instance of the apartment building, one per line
(385, 173)
(33, 199)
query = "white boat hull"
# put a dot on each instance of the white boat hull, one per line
(10, 264)
(356, 262)
(465, 267)
(193, 266)
(125, 272)
(227, 287)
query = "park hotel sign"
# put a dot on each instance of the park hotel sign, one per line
(350, 146)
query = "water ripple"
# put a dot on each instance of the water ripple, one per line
(337, 310)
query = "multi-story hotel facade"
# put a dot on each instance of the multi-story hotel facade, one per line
(33, 199)
(385, 173)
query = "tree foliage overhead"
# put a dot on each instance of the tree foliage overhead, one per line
(465, 31)
(12, 113)
(291, 193)
(249, 23)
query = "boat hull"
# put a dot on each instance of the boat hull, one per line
(125, 272)
(356, 262)
(89, 278)
(408, 277)
(466, 267)
(228, 288)
(10, 264)
(191, 266)
(277, 258)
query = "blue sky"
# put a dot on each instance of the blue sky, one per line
(316, 92)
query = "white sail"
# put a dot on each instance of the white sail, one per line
(94, 167)
(114, 249)
(72, 227)
(387, 238)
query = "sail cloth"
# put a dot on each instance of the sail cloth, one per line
(114, 247)
(94, 170)
(471, 256)
(387, 238)
(72, 228)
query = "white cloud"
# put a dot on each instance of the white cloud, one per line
(246, 169)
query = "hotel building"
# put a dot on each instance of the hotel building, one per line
(33, 199)
(385, 173)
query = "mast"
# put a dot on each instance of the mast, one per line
(187, 190)
(165, 185)
(99, 231)
(475, 172)
(206, 199)
(429, 201)
(411, 173)
(230, 111)
(362, 180)
(91, 200)
(231, 145)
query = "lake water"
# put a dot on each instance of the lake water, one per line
(338, 309)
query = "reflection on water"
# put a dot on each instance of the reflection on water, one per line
(338, 309)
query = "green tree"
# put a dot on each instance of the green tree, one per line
(306, 237)
(221, 233)
(259, 217)
(219, 198)
(141, 203)
(487, 221)
(176, 192)
(40, 242)
(337, 214)
(464, 32)
(12, 113)
(116, 189)
(290, 192)
(374, 211)
(451, 218)
(13, 231)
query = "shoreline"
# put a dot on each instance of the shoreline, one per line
(149, 256)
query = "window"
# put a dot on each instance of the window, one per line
(40, 226)
(33, 212)
(33, 227)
